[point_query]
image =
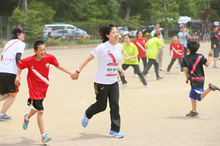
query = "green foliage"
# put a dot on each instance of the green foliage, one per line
(135, 22)
(187, 8)
(31, 22)
(45, 12)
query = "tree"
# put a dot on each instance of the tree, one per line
(187, 8)
(165, 12)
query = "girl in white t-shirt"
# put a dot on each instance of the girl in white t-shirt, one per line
(106, 82)
(8, 69)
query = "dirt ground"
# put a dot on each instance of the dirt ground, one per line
(149, 116)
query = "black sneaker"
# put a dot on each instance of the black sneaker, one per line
(158, 78)
(5, 117)
(192, 114)
(213, 87)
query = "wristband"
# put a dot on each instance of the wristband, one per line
(77, 72)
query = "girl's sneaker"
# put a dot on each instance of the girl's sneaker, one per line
(4, 117)
(45, 138)
(26, 121)
(85, 121)
(115, 134)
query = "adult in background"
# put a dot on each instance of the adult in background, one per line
(215, 39)
(140, 42)
(160, 48)
(8, 69)
(106, 85)
(183, 37)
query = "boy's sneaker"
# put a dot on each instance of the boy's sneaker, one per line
(25, 123)
(85, 121)
(192, 114)
(4, 117)
(45, 138)
(213, 87)
(147, 85)
(115, 134)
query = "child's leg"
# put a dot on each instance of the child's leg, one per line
(193, 105)
(8, 102)
(31, 113)
(40, 121)
(204, 93)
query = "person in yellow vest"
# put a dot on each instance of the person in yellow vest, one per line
(130, 53)
(152, 50)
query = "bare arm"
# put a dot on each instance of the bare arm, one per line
(209, 59)
(186, 74)
(18, 77)
(131, 57)
(75, 75)
(64, 70)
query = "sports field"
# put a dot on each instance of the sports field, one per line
(152, 116)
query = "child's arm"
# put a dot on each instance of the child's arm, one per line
(209, 58)
(75, 75)
(130, 57)
(186, 74)
(64, 70)
(18, 77)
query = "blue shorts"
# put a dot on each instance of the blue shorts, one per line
(195, 93)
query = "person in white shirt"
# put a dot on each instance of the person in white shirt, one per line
(106, 79)
(8, 69)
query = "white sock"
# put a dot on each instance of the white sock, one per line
(43, 135)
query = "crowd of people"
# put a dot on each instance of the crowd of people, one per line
(110, 54)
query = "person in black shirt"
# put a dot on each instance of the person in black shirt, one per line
(193, 67)
(215, 46)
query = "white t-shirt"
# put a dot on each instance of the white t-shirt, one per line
(8, 62)
(109, 57)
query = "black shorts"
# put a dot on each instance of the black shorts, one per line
(7, 84)
(216, 52)
(35, 104)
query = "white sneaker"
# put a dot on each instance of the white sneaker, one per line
(123, 86)
(147, 85)
(135, 75)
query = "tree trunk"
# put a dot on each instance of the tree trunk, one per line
(128, 11)
(22, 4)
(166, 31)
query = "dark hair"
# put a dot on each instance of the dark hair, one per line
(214, 26)
(156, 34)
(156, 24)
(193, 46)
(103, 31)
(127, 35)
(138, 33)
(15, 36)
(37, 43)
(175, 35)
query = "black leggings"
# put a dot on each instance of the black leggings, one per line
(137, 70)
(103, 92)
(149, 64)
(172, 62)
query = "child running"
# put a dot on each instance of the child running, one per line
(130, 53)
(38, 82)
(106, 86)
(152, 50)
(193, 66)
(177, 48)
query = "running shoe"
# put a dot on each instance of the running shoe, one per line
(26, 121)
(115, 134)
(85, 121)
(45, 138)
(135, 75)
(213, 87)
(4, 117)
(147, 85)
(192, 114)
(158, 78)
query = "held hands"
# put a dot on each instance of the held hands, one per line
(211, 53)
(75, 75)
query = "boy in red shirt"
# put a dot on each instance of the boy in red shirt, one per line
(177, 48)
(38, 82)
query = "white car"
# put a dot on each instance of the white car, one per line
(123, 30)
(133, 33)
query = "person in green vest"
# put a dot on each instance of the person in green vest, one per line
(152, 51)
(130, 53)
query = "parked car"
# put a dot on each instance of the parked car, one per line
(52, 29)
(123, 30)
(61, 34)
(133, 33)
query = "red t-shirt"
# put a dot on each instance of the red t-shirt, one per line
(140, 43)
(37, 76)
(177, 46)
